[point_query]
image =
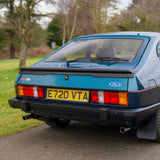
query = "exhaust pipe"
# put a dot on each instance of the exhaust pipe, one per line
(28, 117)
(123, 130)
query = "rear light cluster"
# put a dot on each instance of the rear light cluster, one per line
(113, 98)
(31, 91)
(100, 97)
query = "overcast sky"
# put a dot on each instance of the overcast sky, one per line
(124, 4)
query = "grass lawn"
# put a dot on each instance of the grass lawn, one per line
(11, 119)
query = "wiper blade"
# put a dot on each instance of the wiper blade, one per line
(103, 59)
(82, 59)
(68, 62)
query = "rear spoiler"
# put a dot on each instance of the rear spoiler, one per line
(94, 72)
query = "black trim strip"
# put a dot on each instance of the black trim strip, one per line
(94, 72)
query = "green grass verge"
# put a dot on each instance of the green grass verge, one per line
(11, 119)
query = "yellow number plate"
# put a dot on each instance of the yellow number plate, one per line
(68, 95)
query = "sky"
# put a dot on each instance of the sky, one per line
(124, 3)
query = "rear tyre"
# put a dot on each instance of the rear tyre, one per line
(56, 122)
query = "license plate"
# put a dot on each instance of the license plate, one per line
(68, 95)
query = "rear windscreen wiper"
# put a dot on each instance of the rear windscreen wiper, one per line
(82, 59)
(103, 59)
(68, 62)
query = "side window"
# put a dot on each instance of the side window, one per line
(158, 49)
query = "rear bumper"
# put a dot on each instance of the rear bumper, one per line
(81, 112)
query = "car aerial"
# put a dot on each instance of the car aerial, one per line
(111, 78)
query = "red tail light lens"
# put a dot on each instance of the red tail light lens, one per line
(28, 91)
(31, 91)
(94, 95)
(113, 98)
(41, 92)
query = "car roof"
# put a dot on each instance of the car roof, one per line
(128, 33)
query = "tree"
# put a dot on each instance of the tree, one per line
(2, 39)
(54, 33)
(73, 25)
(99, 13)
(10, 5)
(142, 15)
(68, 11)
(84, 23)
(78, 17)
(23, 24)
(11, 13)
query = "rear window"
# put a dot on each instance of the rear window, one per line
(99, 50)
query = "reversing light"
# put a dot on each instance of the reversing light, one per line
(113, 98)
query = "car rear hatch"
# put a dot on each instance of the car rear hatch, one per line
(75, 85)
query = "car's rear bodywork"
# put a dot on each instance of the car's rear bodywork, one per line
(123, 92)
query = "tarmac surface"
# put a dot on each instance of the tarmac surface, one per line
(80, 141)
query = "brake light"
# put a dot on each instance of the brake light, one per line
(94, 96)
(31, 91)
(113, 98)
(28, 91)
(41, 92)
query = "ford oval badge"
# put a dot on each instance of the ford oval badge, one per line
(115, 84)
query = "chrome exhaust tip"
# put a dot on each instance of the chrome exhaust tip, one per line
(123, 130)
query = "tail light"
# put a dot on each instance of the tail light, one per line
(113, 98)
(94, 97)
(41, 92)
(31, 91)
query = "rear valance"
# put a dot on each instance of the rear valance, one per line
(94, 72)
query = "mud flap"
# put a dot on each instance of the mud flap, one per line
(148, 131)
